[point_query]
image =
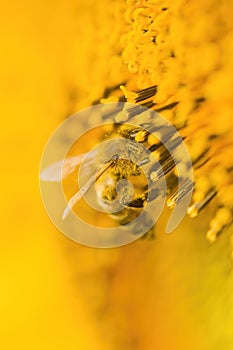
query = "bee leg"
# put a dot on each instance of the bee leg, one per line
(137, 202)
(149, 235)
(138, 226)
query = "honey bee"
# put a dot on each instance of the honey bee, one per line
(128, 171)
(121, 187)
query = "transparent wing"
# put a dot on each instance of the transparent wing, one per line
(73, 200)
(83, 190)
(61, 169)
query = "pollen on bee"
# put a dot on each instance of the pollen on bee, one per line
(187, 80)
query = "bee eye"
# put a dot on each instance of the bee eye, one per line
(121, 176)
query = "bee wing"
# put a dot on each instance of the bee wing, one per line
(73, 200)
(61, 169)
(83, 190)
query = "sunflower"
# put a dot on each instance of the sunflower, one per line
(169, 292)
(182, 51)
(185, 49)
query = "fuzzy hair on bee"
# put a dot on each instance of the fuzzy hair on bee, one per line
(125, 165)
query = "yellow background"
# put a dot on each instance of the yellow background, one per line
(36, 311)
(171, 293)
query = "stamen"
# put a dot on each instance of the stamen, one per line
(165, 168)
(194, 209)
(180, 194)
(146, 93)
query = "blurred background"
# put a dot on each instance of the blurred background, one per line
(173, 292)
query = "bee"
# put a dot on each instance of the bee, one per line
(147, 146)
(131, 156)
